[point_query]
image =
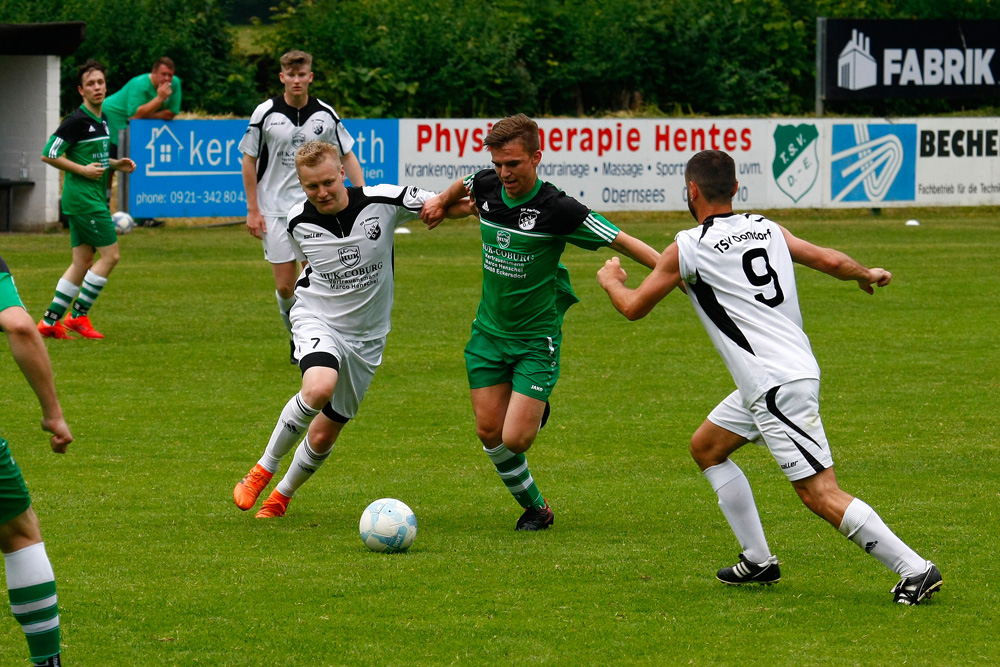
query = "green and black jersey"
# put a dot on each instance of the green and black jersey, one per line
(84, 139)
(526, 290)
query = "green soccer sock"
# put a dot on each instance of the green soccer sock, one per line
(91, 289)
(65, 293)
(32, 588)
(513, 470)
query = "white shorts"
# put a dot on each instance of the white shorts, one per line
(277, 245)
(357, 362)
(786, 420)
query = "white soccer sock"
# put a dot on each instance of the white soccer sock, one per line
(304, 465)
(736, 501)
(285, 307)
(863, 526)
(292, 424)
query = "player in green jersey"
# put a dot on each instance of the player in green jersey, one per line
(512, 358)
(31, 584)
(80, 148)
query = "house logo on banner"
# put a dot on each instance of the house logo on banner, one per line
(873, 162)
(796, 164)
(856, 68)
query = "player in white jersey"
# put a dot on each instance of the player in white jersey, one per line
(277, 128)
(340, 319)
(737, 271)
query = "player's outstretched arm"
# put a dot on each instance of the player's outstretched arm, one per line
(436, 208)
(635, 304)
(353, 169)
(28, 350)
(835, 263)
(635, 250)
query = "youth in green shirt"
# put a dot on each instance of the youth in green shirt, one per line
(80, 148)
(156, 95)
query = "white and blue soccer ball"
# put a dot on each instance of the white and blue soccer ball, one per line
(123, 222)
(388, 526)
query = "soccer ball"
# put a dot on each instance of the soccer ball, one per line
(123, 222)
(388, 525)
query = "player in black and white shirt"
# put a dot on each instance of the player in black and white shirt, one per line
(738, 273)
(277, 128)
(343, 300)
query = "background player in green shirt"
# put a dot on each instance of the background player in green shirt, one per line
(512, 358)
(30, 582)
(80, 148)
(155, 95)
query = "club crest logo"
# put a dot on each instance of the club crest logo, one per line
(503, 239)
(372, 230)
(350, 255)
(298, 139)
(317, 125)
(796, 163)
(528, 218)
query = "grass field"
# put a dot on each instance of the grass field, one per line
(156, 566)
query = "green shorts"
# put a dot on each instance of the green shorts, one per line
(531, 365)
(14, 498)
(93, 229)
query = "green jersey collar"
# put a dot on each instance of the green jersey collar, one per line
(91, 113)
(511, 203)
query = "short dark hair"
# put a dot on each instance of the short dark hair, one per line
(296, 59)
(164, 61)
(89, 66)
(514, 128)
(714, 172)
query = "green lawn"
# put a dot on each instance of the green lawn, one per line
(155, 565)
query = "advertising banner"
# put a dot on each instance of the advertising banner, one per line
(874, 59)
(192, 168)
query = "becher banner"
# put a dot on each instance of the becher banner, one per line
(865, 59)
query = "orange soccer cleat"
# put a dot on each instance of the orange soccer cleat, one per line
(82, 326)
(56, 330)
(248, 489)
(274, 506)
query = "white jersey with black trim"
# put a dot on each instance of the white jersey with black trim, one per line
(348, 283)
(275, 132)
(741, 282)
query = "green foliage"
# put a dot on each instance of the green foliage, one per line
(474, 58)
(128, 35)
(155, 566)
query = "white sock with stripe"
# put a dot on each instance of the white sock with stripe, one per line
(304, 465)
(284, 308)
(863, 526)
(32, 588)
(292, 425)
(736, 501)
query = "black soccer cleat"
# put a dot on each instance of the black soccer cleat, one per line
(917, 589)
(292, 359)
(536, 518)
(745, 572)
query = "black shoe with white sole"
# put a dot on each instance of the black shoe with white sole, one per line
(917, 589)
(745, 572)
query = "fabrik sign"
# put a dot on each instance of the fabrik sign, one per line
(873, 59)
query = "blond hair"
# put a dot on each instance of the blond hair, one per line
(313, 153)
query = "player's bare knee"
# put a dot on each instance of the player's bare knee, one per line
(316, 392)
(704, 452)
